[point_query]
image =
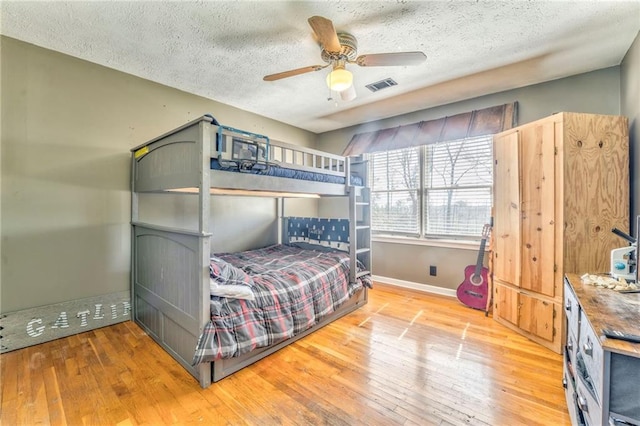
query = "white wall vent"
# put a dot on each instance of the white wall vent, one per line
(382, 84)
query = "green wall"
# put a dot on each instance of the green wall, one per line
(67, 128)
(593, 92)
(630, 89)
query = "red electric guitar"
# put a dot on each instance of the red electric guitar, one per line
(473, 291)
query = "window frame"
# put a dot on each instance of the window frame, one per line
(388, 191)
(422, 235)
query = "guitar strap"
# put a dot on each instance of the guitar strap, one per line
(490, 274)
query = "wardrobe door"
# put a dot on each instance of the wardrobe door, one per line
(506, 209)
(506, 303)
(536, 316)
(537, 168)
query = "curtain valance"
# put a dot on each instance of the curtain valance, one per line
(475, 123)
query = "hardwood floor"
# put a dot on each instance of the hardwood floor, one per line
(406, 358)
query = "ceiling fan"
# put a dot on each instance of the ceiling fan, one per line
(339, 49)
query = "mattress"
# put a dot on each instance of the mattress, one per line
(293, 289)
(277, 171)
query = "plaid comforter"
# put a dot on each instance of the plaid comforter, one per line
(294, 289)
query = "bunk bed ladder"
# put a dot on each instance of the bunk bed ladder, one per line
(360, 224)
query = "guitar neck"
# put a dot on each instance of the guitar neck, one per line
(483, 243)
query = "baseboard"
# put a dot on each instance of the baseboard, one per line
(427, 288)
(32, 326)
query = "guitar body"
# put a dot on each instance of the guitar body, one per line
(473, 291)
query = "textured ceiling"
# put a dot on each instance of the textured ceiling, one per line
(221, 50)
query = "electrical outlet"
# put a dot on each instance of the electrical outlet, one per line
(433, 271)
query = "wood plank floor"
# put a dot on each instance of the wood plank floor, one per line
(406, 358)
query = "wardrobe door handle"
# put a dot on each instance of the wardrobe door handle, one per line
(567, 307)
(587, 349)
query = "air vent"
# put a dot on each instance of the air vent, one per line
(382, 84)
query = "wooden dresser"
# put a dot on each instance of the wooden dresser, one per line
(601, 375)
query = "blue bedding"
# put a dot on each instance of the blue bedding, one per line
(274, 170)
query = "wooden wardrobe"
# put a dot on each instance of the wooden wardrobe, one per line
(560, 185)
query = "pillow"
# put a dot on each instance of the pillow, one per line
(236, 291)
(226, 273)
(312, 246)
(227, 280)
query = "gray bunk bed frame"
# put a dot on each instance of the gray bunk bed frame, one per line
(170, 267)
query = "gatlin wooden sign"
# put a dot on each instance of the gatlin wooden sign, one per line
(33, 326)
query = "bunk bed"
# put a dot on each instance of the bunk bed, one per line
(174, 271)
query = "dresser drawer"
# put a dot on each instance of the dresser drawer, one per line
(590, 350)
(571, 310)
(587, 405)
(570, 395)
(571, 350)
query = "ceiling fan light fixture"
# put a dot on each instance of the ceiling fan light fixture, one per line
(348, 94)
(339, 79)
(339, 49)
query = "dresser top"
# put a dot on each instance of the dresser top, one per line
(607, 308)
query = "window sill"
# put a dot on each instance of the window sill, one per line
(454, 244)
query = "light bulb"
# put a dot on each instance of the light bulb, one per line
(339, 79)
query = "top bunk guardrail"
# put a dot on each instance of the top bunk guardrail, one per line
(204, 152)
(234, 146)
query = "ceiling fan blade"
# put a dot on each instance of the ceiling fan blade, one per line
(326, 33)
(291, 73)
(391, 59)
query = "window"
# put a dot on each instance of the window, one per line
(441, 190)
(395, 191)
